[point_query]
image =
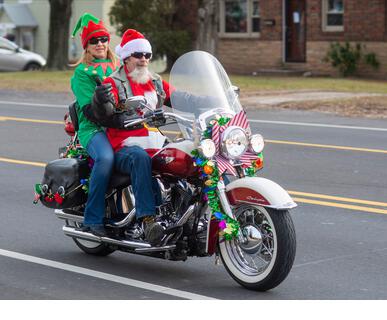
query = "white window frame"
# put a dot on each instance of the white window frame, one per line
(222, 21)
(325, 13)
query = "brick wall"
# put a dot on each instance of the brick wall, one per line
(245, 56)
(271, 10)
(316, 50)
(364, 20)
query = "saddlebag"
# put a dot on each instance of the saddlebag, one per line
(64, 184)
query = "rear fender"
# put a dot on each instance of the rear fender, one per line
(259, 191)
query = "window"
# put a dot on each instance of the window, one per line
(333, 15)
(7, 45)
(239, 18)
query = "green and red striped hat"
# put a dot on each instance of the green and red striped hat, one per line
(91, 26)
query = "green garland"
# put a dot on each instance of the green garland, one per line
(209, 171)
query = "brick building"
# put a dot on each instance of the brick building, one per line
(296, 34)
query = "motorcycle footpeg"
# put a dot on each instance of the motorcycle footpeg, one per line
(172, 230)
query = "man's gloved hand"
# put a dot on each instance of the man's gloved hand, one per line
(103, 93)
(158, 117)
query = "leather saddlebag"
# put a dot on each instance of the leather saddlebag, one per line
(64, 184)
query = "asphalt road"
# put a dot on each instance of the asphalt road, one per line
(330, 169)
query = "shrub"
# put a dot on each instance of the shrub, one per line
(346, 57)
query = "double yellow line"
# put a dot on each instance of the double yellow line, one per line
(303, 144)
(305, 197)
(301, 197)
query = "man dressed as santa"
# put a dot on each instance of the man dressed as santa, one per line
(131, 79)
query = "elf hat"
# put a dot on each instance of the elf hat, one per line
(91, 27)
(132, 41)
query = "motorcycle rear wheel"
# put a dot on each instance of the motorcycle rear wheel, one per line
(265, 259)
(92, 248)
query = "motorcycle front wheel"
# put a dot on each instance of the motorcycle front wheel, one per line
(265, 256)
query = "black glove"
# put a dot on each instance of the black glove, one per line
(103, 93)
(158, 118)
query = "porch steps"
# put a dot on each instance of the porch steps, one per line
(281, 72)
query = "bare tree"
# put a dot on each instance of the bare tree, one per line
(208, 18)
(60, 14)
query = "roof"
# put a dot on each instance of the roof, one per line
(20, 14)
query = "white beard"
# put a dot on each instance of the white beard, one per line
(140, 75)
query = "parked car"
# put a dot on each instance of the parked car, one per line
(14, 58)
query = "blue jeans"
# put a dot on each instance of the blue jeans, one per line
(135, 161)
(101, 152)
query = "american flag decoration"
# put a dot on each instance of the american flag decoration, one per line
(223, 163)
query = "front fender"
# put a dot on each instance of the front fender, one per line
(259, 191)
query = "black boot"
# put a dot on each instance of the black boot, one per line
(154, 232)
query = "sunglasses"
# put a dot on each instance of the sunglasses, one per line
(95, 41)
(139, 55)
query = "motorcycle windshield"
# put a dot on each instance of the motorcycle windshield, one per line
(201, 91)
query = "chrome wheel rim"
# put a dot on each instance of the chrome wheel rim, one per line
(85, 243)
(254, 253)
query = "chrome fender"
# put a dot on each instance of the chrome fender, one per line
(259, 191)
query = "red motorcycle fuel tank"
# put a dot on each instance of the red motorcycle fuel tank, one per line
(175, 160)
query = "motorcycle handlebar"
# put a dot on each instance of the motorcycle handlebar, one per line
(135, 122)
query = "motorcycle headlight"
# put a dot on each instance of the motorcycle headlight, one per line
(207, 147)
(257, 143)
(234, 142)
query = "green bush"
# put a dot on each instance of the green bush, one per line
(346, 57)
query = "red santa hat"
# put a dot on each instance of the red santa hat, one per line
(132, 41)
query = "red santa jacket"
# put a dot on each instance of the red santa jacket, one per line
(119, 137)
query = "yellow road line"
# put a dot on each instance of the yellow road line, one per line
(323, 196)
(326, 146)
(304, 144)
(30, 163)
(301, 200)
(30, 120)
(340, 205)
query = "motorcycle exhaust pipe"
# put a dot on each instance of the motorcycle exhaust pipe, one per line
(68, 216)
(72, 232)
(76, 218)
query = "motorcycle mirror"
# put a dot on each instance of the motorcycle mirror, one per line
(134, 102)
(236, 89)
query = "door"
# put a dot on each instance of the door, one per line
(295, 32)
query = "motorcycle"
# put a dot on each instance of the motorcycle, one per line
(213, 204)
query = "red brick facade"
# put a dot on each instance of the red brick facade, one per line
(365, 21)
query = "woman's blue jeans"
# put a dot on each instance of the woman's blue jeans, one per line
(135, 161)
(101, 152)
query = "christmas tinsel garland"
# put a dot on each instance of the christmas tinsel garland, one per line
(209, 171)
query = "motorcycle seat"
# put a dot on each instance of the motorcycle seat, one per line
(119, 180)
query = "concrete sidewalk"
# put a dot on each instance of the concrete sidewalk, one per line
(273, 99)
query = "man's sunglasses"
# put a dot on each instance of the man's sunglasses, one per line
(139, 55)
(95, 41)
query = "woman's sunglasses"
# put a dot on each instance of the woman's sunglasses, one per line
(139, 55)
(95, 41)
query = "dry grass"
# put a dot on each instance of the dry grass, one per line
(366, 107)
(59, 82)
(49, 81)
(372, 107)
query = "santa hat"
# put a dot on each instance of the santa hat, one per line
(132, 41)
(92, 28)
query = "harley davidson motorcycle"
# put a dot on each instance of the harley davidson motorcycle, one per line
(213, 204)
